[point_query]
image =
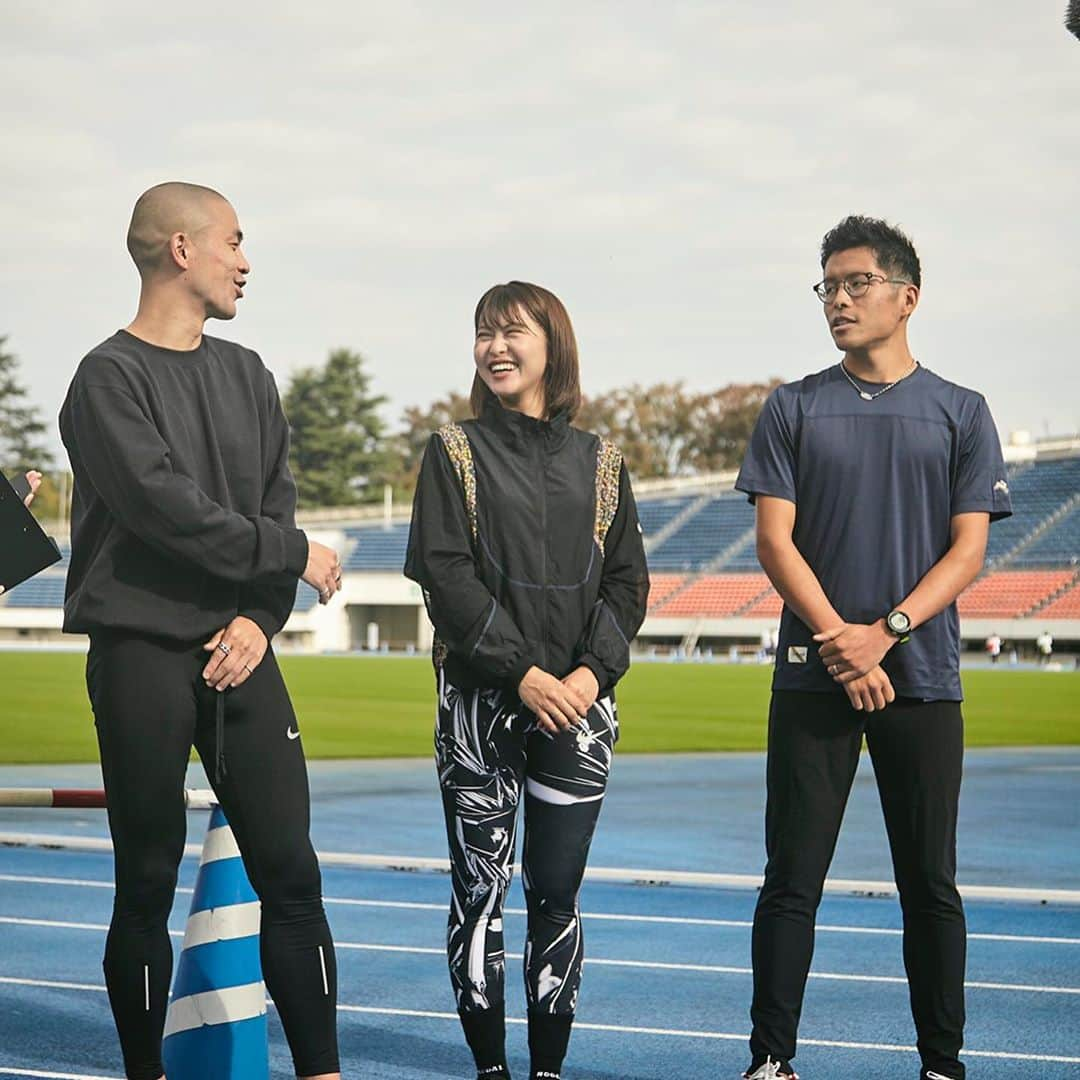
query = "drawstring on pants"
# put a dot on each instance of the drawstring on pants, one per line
(219, 736)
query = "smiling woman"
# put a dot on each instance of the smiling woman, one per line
(525, 352)
(526, 541)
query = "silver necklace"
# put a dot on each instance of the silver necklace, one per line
(865, 395)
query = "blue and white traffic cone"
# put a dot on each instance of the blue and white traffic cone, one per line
(216, 1024)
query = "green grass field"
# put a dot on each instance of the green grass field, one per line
(356, 707)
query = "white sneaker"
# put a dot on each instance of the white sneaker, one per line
(771, 1070)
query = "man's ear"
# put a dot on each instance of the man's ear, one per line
(178, 250)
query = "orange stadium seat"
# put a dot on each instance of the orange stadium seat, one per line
(1064, 607)
(661, 586)
(715, 596)
(1009, 594)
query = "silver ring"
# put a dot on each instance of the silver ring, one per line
(833, 669)
(226, 649)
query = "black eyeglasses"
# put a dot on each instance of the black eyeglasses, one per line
(855, 285)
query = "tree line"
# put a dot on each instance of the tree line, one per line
(344, 453)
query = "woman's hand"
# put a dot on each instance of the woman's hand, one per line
(556, 704)
(33, 478)
(585, 683)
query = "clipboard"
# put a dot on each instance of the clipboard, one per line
(25, 550)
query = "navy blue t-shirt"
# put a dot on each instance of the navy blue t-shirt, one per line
(876, 484)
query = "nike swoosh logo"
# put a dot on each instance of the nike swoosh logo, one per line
(292, 734)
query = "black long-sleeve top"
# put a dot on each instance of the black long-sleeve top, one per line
(533, 577)
(183, 510)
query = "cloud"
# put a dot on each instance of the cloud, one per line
(668, 169)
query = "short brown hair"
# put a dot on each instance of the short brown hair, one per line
(562, 377)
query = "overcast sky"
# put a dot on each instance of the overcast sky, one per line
(667, 169)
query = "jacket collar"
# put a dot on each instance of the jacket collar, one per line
(516, 427)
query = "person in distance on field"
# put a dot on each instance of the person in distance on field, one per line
(185, 558)
(875, 482)
(525, 539)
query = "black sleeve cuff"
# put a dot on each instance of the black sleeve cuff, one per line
(266, 622)
(603, 679)
(517, 673)
(296, 552)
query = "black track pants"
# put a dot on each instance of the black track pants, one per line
(150, 705)
(917, 752)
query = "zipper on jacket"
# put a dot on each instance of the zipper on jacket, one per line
(544, 551)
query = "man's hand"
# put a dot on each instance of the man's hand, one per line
(870, 691)
(584, 682)
(235, 652)
(555, 704)
(33, 478)
(850, 650)
(323, 570)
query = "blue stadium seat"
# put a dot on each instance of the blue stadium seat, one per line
(654, 514)
(1059, 546)
(723, 520)
(1036, 490)
(44, 591)
(376, 547)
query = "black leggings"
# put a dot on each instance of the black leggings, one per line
(917, 751)
(487, 750)
(150, 705)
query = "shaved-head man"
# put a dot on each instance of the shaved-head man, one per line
(185, 557)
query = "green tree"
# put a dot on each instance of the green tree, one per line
(417, 426)
(665, 430)
(651, 425)
(339, 452)
(21, 427)
(721, 424)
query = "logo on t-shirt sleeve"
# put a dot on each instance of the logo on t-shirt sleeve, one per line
(796, 654)
(1002, 486)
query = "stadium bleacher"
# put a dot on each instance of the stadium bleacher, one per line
(375, 547)
(661, 586)
(44, 591)
(1037, 491)
(657, 514)
(724, 520)
(1011, 594)
(1066, 606)
(715, 596)
(706, 566)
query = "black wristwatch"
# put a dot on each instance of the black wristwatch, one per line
(898, 624)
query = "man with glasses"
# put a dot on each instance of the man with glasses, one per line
(875, 482)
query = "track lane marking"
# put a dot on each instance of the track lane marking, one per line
(615, 874)
(622, 1029)
(594, 961)
(599, 916)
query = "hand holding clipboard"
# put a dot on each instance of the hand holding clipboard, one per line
(25, 550)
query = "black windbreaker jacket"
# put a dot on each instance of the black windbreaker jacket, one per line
(526, 542)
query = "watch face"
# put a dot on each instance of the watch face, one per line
(898, 622)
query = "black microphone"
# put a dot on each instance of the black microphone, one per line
(1072, 18)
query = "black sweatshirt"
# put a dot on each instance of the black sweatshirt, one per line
(183, 511)
(536, 582)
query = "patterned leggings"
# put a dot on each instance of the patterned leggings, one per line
(486, 748)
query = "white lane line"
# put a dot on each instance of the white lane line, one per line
(600, 916)
(614, 874)
(731, 1036)
(49, 984)
(618, 1028)
(594, 961)
(10, 1071)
